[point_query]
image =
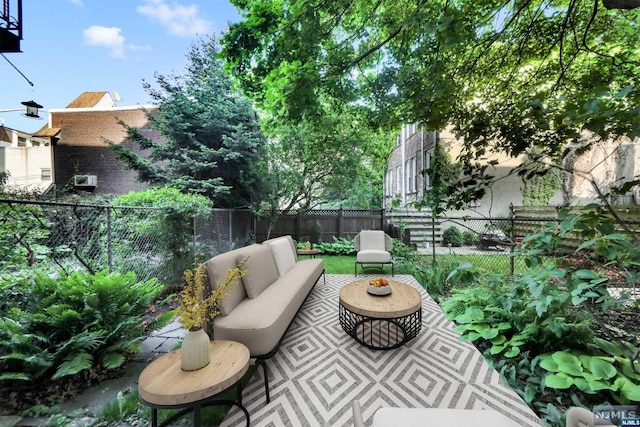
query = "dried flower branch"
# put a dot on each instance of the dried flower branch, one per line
(193, 309)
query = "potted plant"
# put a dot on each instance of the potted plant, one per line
(194, 310)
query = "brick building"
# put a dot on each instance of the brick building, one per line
(406, 179)
(82, 158)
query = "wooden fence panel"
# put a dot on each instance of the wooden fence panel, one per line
(321, 225)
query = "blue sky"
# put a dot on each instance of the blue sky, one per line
(75, 46)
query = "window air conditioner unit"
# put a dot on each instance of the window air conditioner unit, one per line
(85, 180)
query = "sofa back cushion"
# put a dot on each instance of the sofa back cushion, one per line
(283, 255)
(260, 267)
(293, 243)
(217, 273)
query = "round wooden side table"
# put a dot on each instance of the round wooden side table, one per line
(311, 253)
(381, 322)
(164, 385)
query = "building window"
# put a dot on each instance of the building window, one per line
(22, 141)
(407, 174)
(410, 168)
(425, 172)
(389, 183)
(45, 174)
(398, 180)
(414, 174)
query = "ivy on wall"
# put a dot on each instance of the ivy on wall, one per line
(539, 187)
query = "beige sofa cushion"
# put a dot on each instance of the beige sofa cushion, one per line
(261, 270)
(293, 243)
(283, 255)
(217, 273)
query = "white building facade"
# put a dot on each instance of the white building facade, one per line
(27, 159)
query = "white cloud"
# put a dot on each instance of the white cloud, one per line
(180, 20)
(138, 48)
(108, 37)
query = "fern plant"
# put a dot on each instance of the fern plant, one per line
(72, 323)
(21, 353)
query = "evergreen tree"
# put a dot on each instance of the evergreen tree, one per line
(210, 135)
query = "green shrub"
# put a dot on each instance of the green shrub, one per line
(24, 230)
(153, 240)
(541, 329)
(453, 236)
(469, 238)
(339, 246)
(60, 326)
(406, 258)
(434, 277)
(527, 312)
(611, 373)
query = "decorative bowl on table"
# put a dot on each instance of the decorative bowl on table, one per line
(379, 286)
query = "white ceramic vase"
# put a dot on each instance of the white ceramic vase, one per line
(195, 350)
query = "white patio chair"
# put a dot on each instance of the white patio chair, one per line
(426, 417)
(373, 247)
(581, 417)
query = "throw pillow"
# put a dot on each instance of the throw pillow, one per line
(261, 270)
(217, 271)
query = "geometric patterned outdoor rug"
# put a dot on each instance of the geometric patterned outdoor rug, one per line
(319, 370)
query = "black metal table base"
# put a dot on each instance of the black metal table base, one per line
(196, 407)
(379, 333)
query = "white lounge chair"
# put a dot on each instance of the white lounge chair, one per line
(581, 417)
(427, 417)
(373, 247)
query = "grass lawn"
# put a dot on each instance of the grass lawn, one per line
(339, 264)
(499, 264)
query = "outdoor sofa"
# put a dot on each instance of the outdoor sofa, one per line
(258, 311)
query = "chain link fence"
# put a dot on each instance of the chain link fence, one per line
(486, 243)
(155, 242)
(151, 242)
(492, 244)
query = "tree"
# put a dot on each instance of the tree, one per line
(334, 160)
(211, 138)
(510, 76)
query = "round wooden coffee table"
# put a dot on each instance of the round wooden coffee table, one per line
(381, 322)
(164, 385)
